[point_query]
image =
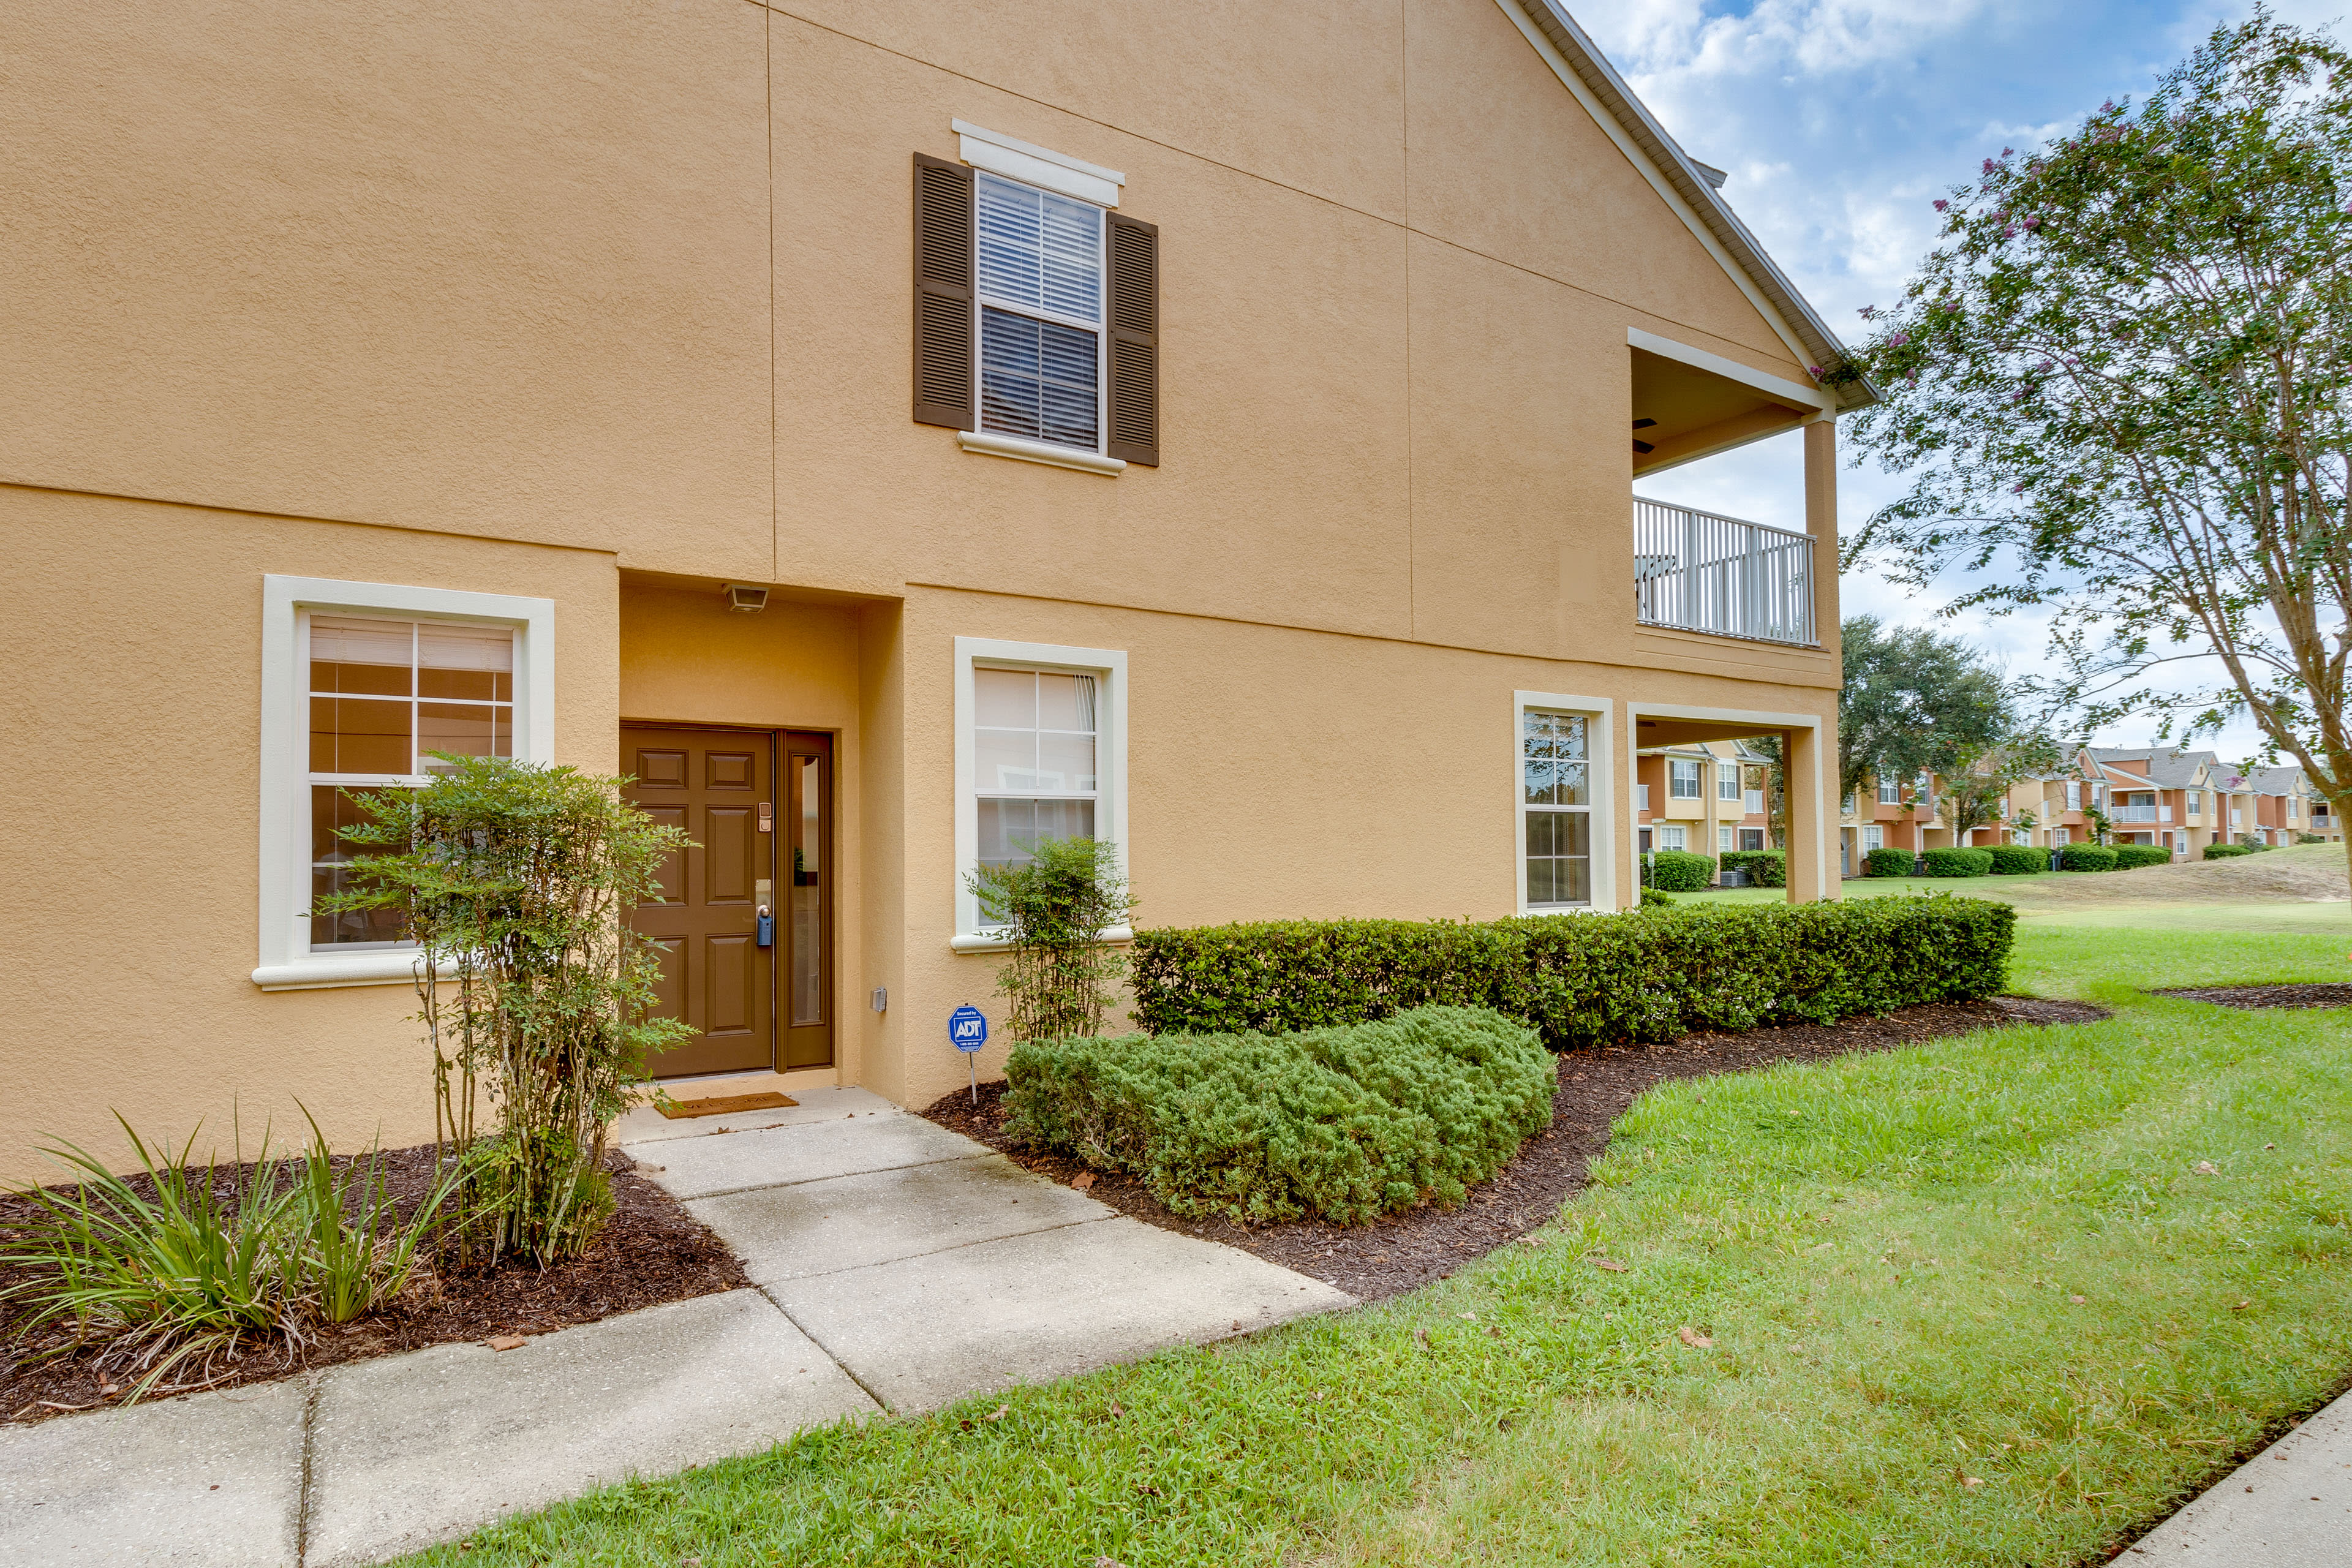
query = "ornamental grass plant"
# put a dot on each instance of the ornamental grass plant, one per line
(1347, 1123)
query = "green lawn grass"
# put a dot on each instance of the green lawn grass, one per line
(1886, 1252)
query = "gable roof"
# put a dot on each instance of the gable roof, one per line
(1694, 184)
(2167, 769)
(2280, 781)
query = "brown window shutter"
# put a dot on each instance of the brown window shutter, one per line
(1134, 342)
(942, 293)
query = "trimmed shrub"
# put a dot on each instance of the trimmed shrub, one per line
(2086, 858)
(2131, 857)
(1654, 899)
(1890, 862)
(1349, 1122)
(1765, 867)
(1680, 871)
(2225, 851)
(1581, 980)
(2017, 861)
(2309, 838)
(1955, 862)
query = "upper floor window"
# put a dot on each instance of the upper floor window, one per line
(2073, 794)
(1890, 791)
(2196, 800)
(1727, 781)
(1682, 778)
(1041, 296)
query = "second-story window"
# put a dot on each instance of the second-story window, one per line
(1727, 781)
(1890, 791)
(2074, 795)
(1682, 778)
(1041, 306)
(2196, 800)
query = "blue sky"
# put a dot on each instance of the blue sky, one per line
(1839, 122)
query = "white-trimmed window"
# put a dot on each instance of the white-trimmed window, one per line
(2060, 837)
(1040, 275)
(362, 682)
(1041, 753)
(1672, 836)
(2073, 794)
(1560, 794)
(1681, 778)
(1873, 837)
(1727, 781)
(1846, 806)
(1890, 791)
(1724, 842)
(1751, 838)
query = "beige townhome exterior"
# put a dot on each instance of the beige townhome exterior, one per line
(888, 432)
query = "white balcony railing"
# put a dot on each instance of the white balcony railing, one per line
(2140, 814)
(1699, 572)
(1642, 797)
(1755, 803)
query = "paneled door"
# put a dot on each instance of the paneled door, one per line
(719, 954)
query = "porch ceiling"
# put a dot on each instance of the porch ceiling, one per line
(1689, 732)
(1697, 412)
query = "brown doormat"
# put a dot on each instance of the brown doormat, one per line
(725, 1105)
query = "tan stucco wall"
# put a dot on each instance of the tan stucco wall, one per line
(1275, 774)
(129, 715)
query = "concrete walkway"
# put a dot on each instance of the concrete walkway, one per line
(896, 1266)
(2290, 1506)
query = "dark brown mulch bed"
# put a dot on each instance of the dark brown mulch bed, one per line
(2328, 994)
(653, 1251)
(1405, 1251)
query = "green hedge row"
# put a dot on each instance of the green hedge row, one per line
(2017, 860)
(2130, 856)
(1890, 862)
(1765, 867)
(2086, 858)
(1580, 980)
(1349, 1122)
(2227, 851)
(1955, 862)
(1680, 871)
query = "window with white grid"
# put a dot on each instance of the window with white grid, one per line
(1890, 791)
(1681, 778)
(1727, 781)
(1556, 803)
(1041, 312)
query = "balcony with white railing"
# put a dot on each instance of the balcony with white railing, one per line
(2143, 814)
(1701, 572)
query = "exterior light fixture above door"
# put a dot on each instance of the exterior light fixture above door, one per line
(750, 601)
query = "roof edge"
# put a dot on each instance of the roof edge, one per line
(1691, 181)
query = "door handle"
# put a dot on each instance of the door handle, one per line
(767, 926)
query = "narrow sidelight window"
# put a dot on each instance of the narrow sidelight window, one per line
(1555, 793)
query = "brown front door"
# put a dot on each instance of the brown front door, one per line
(719, 786)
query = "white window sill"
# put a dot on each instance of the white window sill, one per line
(350, 969)
(989, 444)
(991, 941)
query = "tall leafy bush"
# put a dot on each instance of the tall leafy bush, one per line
(1580, 980)
(1890, 862)
(1959, 862)
(516, 880)
(1765, 867)
(1348, 1122)
(1680, 871)
(2017, 860)
(2086, 858)
(1054, 908)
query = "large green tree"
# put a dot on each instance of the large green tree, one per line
(2119, 382)
(1915, 701)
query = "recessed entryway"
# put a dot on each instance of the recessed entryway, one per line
(743, 918)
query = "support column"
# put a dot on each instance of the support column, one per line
(1822, 523)
(1811, 770)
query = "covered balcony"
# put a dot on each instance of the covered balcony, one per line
(1707, 572)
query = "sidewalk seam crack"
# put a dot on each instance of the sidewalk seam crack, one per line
(302, 1485)
(952, 1247)
(837, 1176)
(806, 1333)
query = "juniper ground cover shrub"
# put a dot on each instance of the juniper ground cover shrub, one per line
(1348, 1122)
(1580, 980)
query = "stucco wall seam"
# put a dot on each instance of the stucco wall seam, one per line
(1776, 350)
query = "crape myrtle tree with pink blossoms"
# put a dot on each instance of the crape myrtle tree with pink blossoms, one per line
(2119, 383)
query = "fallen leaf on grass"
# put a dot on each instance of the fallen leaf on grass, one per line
(1082, 1181)
(2206, 1168)
(1115, 1413)
(506, 1342)
(1467, 1317)
(999, 1414)
(2242, 1306)
(1610, 1264)
(2078, 1300)
(1695, 1340)
(1971, 1480)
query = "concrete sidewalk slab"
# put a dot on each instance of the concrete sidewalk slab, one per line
(205, 1480)
(646, 1125)
(779, 1156)
(2290, 1506)
(418, 1448)
(923, 1331)
(847, 1221)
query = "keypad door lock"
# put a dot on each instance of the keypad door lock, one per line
(766, 891)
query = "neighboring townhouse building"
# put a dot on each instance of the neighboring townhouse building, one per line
(1708, 798)
(891, 438)
(2287, 808)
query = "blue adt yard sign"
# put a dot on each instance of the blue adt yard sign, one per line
(967, 1032)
